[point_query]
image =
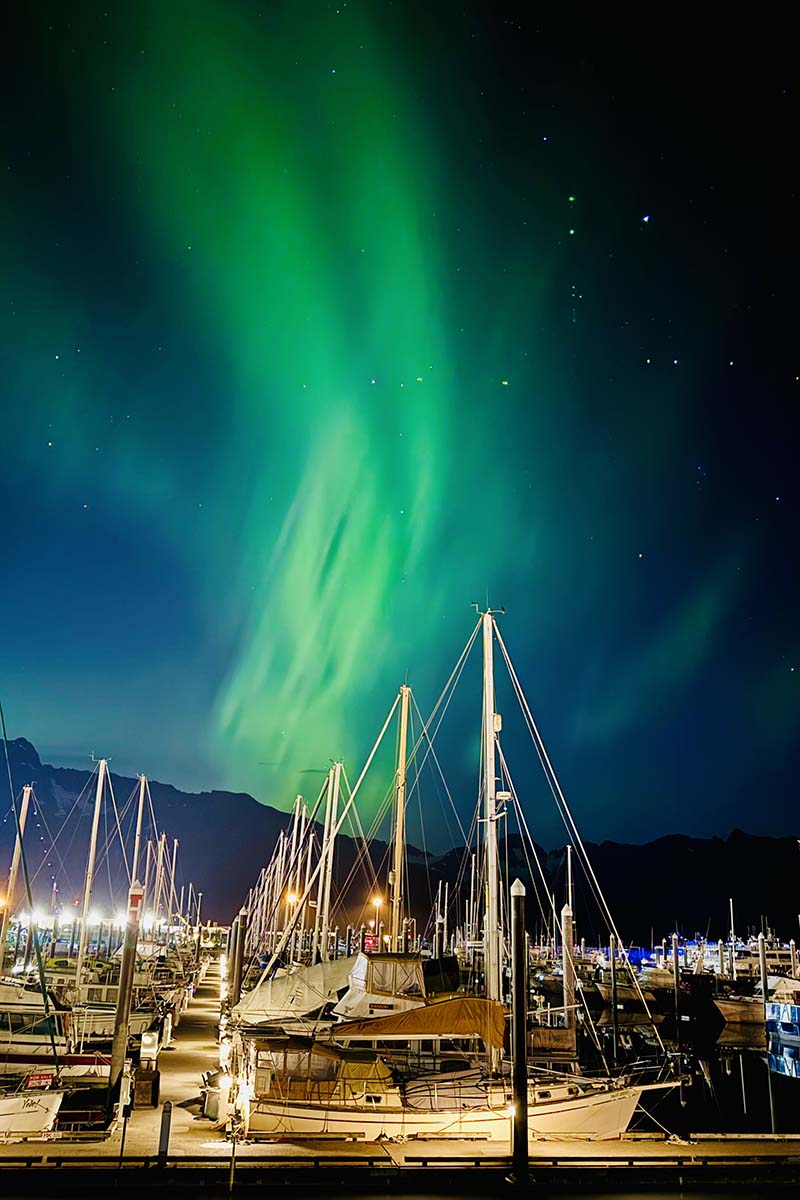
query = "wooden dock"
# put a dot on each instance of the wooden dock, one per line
(199, 1155)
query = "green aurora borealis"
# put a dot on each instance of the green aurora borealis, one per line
(303, 358)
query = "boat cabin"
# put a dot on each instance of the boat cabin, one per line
(298, 1068)
(380, 984)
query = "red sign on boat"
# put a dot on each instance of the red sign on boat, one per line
(42, 1079)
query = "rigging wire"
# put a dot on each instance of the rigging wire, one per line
(569, 821)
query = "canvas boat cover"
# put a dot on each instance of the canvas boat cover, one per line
(462, 1017)
(296, 994)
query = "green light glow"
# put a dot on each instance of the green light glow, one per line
(314, 275)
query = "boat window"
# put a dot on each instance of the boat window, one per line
(383, 976)
(369, 1099)
(44, 1028)
(542, 1095)
(407, 979)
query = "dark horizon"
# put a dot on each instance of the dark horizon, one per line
(695, 877)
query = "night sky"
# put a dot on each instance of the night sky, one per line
(320, 321)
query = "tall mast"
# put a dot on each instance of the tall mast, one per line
(491, 933)
(87, 887)
(291, 888)
(396, 878)
(327, 875)
(148, 855)
(137, 841)
(172, 880)
(159, 883)
(12, 874)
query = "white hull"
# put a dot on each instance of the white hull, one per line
(28, 1114)
(595, 1117)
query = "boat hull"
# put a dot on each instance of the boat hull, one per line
(594, 1117)
(28, 1114)
(741, 1011)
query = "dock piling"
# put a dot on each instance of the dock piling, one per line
(519, 1034)
(163, 1137)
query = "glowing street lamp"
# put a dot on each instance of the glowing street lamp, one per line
(377, 901)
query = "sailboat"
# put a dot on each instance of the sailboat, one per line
(293, 1084)
(26, 1111)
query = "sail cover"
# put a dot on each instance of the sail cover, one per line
(465, 1016)
(295, 995)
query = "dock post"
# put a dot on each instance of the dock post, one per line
(519, 1035)
(163, 1137)
(612, 953)
(231, 965)
(676, 984)
(238, 961)
(568, 966)
(122, 1017)
(762, 962)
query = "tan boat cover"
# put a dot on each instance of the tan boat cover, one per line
(465, 1016)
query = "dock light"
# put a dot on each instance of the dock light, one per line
(511, 1110)
(149, 1046)
(41, 919)
(121, 919)
(292, 898)
(96, 918)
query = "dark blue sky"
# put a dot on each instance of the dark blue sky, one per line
(316, 325)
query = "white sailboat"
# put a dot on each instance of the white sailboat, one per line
(294, 1086)
(29, 1113)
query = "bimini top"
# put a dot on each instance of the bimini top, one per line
(462, 1017)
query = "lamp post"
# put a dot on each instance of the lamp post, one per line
(377, 901)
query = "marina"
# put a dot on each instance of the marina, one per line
(309, 1040)
(197, 1153)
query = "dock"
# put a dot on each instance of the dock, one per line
(198, 1154)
